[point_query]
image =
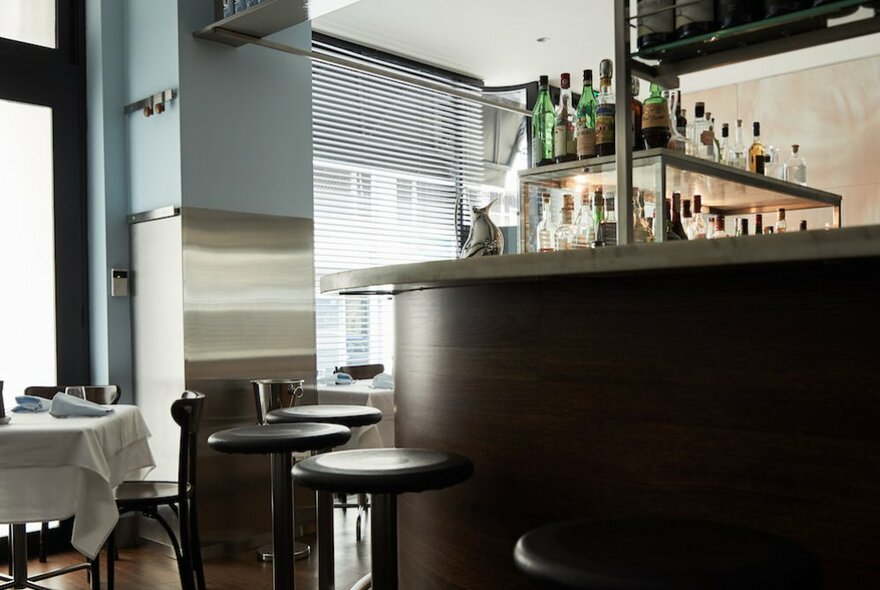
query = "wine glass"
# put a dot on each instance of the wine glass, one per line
(76, 391)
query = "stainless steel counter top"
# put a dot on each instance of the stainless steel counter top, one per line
(816, 245)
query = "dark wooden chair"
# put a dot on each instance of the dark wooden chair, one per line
(100, 394)
(147, 497)
(361, 371)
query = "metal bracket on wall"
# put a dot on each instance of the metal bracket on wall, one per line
(152, 105)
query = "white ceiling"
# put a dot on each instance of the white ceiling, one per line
(493, 40)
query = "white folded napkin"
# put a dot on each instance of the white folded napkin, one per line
(382, 381)
(64, 405)
(31, 403)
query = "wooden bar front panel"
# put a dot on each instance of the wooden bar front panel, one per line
(747, 395)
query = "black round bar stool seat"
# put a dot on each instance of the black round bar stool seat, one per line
(351, 416)
(383, 471)
(279, 441)
(279, 438)
(655, 554)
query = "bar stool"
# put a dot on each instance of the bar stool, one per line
(280, 440)
(385, 473)
(659, 554)
(344, 415)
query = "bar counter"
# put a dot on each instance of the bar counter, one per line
(734, 380)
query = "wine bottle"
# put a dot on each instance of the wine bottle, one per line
(694, 18)
(543, 121)
(732, 13)
(585, 127)
(605, 111)
(564, 146)
(677, 227)
(638, 139)
(778, 7)
(658, 26)
(655, 119)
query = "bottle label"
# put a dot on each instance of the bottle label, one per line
(604, 124)
(563, 138)
(586, 141)
(655, 115)
(662, 22)
(699, 12)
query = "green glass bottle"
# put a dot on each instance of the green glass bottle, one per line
(543, 122)
(655, 119)
(585, 131)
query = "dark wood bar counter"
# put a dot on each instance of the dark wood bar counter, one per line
(743, 389)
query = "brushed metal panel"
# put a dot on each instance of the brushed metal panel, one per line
(248, 312)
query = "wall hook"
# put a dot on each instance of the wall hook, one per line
(152, 105)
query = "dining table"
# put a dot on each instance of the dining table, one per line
(57, 468)
(362, 393)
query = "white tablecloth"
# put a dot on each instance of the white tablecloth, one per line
(360, 393)
(54, 468)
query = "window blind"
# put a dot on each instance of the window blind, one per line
(389, 162)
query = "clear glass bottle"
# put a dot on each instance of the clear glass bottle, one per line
(585, 127)
(641, 227)
(546, 230)
(584, 223)
(679, 141)
(773, 166)
(605, 110)
(564, 143)
(566, 232)
(697, 229)
(795, 168)
(736, 155)
(719, 228)
(702, 134)
(756, 151)
(780, 221)
(716, 145)
(655, 119)
(723, 153)
(543, 122)
(687, 218)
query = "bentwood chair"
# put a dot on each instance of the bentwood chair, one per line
(100, 394)
(147, 497)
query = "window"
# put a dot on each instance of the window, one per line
(390, 162)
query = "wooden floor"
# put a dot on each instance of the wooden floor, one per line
(146, 568)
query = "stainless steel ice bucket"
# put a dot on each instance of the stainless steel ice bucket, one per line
(271, 394)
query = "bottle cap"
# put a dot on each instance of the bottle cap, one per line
(606, 69)
(699, 109)
(744, 226)
(756, 129)
(686, 204)
(758, 218)
(588, 76)
(781, 213)
(803, 226)
(795, 147)
(725, 130)
(698, 204)
(739, 122)
(568, 201)
(565, 80)
(544, 81)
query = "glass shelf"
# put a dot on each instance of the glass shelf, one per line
(725, 190)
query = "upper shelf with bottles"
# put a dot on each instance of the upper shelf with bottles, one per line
(725, 37)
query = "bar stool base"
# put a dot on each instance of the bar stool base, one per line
(300, 551)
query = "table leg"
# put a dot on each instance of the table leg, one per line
(282, 521)
(326, 550)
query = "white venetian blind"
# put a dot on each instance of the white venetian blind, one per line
(389, 160)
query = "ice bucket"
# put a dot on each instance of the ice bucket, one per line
(272, 394)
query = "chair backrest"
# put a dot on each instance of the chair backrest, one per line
(100, 394)
(361, 371)
(187, 413)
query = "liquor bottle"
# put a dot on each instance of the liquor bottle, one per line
(657, 27)
(655, 119)
(702, 134)
(605, 111)
(694, 18)
(731, 13)
(803, 225)
(681, 121)
(780, 221)
(719, 228)
(759, 224)
(744, 226)
(677, 227)
(584, 223)
(567, 231)
(546, 230)
(756, 152)
(610, 208)
(777, 7)
(795, 169)
(585, 128)
(543, 121)
(641, 227)
(687, 218)
(768, 230)
(773, 166)
(697, 229)
(638, 139)
(598, 237)
(669, 232)
(736, 156)
(564, 146)
(716, 145)
(723, 154)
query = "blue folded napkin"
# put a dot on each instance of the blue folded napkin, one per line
(64, 405)
(343, 379)
(31, 403)
(382, 381)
